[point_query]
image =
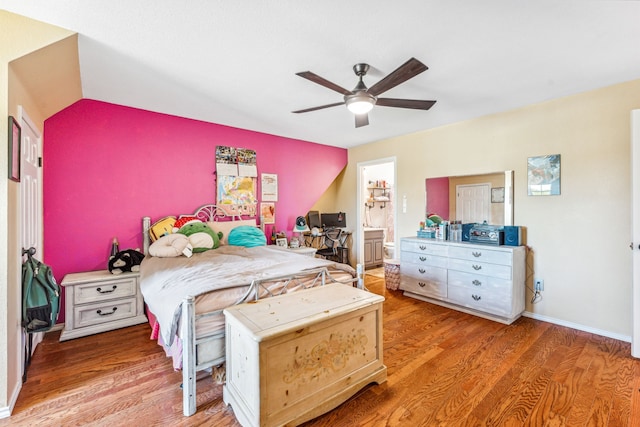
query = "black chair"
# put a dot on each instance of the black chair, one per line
(331, 244)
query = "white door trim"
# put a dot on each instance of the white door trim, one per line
(635, 230)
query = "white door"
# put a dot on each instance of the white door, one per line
(31, 192)
(635, 229)
(472, 203)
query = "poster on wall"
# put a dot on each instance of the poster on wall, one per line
(269, 187)
(237, 194)
(247, 164)
(543, 175)
(267, 213)
(226, 161)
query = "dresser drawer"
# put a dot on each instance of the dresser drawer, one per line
(430, 288)
(480, 268)
(93, 314)
(423, 259)
(474, 282)
(119, 287)
(423, 247)
(481, 254)
(481, 300)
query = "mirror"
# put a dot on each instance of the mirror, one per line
(472, 198)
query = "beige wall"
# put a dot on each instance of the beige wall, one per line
(20, 37)
(579, 240)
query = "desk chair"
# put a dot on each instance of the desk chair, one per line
(331, 244)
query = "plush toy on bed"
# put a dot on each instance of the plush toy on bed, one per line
(125, 261)
(201, 236)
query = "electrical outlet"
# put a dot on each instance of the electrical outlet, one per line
(538, 285)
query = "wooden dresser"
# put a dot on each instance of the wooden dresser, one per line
(293, 357)
(98, 301)
(484, 280)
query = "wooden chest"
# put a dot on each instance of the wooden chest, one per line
(293, 357)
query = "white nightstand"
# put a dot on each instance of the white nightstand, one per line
(98, 301)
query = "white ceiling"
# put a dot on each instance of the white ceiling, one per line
(233, 62)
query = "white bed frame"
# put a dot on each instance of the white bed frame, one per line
(190, 343)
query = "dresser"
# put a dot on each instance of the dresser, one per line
(488, 281)
(293, 357)
(99, 301)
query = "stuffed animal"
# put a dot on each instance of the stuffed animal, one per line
(201, 236)
(125, 261)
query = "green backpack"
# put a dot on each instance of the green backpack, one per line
(40, 295)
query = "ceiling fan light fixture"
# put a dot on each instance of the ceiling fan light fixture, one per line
(360, 103)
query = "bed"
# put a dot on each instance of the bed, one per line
(185, 296)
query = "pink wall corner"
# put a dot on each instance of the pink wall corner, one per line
(438, 196)
(106, 166)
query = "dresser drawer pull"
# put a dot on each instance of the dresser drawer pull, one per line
(476, 254)
(477, 267)
(477, 282)
(108, 291)
(422, 284)
(422, 258)
(476, 297)
(422, 270)
(422, 247)
(106, 314)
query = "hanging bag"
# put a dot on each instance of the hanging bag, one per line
(40, 295)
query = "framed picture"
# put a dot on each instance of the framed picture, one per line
(14, 149)
(282, 242)
(497, 195)
(543, 175)
(267, 213)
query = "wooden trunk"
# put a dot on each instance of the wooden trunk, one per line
(293, 357)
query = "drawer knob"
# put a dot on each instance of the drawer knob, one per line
(107, 291)
(422, 284)
(422, 258)
(422, 270)
(422, 247)
(476, 297)
(477, 282)
(106, 314)
(476, 254)
(477, 267)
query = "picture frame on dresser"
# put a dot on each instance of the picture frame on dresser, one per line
(15, 139)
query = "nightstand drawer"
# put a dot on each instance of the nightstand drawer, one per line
(94, 314)
(107, 290)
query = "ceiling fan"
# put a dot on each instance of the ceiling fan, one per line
(361, 100)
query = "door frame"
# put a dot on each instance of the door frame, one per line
(361, 196)
(635, 231)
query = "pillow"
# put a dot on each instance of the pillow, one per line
(247, 236)
(161, 227)
(225, 227)
(171, 245)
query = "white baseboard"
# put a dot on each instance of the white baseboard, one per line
(6, 411)
(608, 334)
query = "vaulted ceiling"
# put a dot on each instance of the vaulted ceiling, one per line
(234, 62)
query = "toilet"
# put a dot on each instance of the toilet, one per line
(389, 250)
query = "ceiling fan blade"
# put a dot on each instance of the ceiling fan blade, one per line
(306, 110)
(409, 69)
(405, 103)
(362, 120)
(323, 82)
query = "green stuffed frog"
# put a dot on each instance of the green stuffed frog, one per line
(201, 236)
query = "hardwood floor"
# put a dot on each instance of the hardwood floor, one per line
(445, 368)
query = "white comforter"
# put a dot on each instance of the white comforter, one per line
(165, 282)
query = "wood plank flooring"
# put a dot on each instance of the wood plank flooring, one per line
(445, 368)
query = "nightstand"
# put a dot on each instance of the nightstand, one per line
(98, 301)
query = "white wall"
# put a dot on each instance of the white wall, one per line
(579, 240)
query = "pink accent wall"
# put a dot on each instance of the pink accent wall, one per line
(106, 166)
(438, 196)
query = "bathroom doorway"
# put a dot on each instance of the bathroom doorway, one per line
(376, 212)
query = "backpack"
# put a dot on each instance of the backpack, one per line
(40, 295)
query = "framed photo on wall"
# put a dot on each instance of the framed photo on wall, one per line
(543, 175)
(14, 149)
(497, 195)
